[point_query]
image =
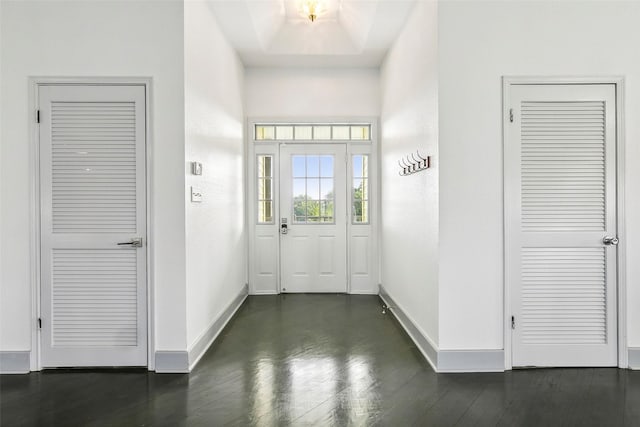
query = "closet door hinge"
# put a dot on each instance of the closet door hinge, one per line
(39, 323)
(37, 116)
(511, 115)
(513, 322)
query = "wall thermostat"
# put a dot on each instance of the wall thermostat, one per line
(196, 168)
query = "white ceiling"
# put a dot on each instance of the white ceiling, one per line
(351, 33)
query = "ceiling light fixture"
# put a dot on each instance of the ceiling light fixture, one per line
(311, 9)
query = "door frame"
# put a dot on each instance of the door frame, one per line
(621, 288)
(34, 184)
(249, 188)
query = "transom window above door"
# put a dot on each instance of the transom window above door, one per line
(312, 132)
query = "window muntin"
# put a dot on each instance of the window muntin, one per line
(313, 199)
(360, 189)
(313, 132)
(265, 189)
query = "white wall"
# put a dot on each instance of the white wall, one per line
(216, 241)
(478, 43)
(311, 93)
(409, 119)
(93, 39)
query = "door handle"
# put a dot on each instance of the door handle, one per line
(284, 229)
(135, 242)
(610, 241)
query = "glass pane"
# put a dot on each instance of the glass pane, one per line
(313, 166)
(313, 188)
(357, 211)
(358, 191)
(299, 168)
(326, 188)
(357, 166)
(299, 187)
(265, 132)
(360, 132)
(312, 194)
(341, 132)
(268, 211)
(365, 211)
(326, 210)
(260, 166)
(299, 208)
(313, 210)
(303, 132)
(265, 211)
(365, 189)
(265, 189)
(326, 166)
(284, 132)
(322, 132)
(264, 166)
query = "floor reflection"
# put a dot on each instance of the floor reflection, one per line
(319, 360)
(313, 381)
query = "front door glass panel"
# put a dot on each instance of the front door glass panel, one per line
(313, 198)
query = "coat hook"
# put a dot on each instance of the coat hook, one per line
(410, 165)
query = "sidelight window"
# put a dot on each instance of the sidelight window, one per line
(360, 189)
(265, 189)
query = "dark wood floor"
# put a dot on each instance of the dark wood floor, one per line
(320, 360)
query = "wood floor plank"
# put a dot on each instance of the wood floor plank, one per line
(319, 360)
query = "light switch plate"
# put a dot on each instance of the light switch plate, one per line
(196, 195)
(196, 168)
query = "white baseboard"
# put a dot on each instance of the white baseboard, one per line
(182, 362)
(172, 362)
(634, 357)
(424, 344)
(15, 362)
(471, 360)
(204, 341)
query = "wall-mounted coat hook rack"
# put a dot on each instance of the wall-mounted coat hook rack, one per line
(411, 165)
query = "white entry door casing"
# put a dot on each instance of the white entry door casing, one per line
(560, 198)
(93, 203)
(313, 204)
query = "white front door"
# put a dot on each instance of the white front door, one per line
(313, 218)
(560, 198)
(92, 187)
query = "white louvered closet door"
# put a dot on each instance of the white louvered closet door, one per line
(92, 185)
(560, 195)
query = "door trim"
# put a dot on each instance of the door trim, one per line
(618, 82)
(34, 185)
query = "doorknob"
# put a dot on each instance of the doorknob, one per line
(135, 242)
(610, 241)
(283, 226)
